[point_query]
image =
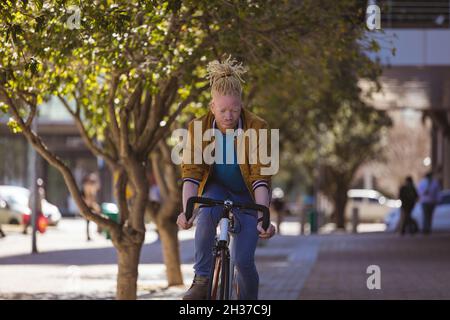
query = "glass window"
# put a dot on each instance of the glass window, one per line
(13, 154)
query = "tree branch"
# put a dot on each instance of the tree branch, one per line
(124, 150)
(31, 104)
(136, 173)
(144, 113)
(111, 109)
(135, 97)
(156, 169)
(55, 161)
(162, 131)
(156, 114)
(170, 168)
(84, 135)
(120, 194)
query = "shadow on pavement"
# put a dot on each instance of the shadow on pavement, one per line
(151, 253)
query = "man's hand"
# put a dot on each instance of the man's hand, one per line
(183, 223)
(265, 234)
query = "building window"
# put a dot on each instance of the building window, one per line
(13, 155)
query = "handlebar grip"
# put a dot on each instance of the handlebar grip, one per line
(263, 209)
(191, 203)
(266, 216)
(193, 200)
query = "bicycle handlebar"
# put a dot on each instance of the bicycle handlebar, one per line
(212, 202)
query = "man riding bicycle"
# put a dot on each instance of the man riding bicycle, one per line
(226, 178)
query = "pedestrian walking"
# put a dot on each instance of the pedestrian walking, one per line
(90, 188)
(429, 195)
(408, 196)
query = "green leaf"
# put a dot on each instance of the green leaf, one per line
(39, 4)
(32, 65)
(374, 46)
(14, 126)
(4, 107)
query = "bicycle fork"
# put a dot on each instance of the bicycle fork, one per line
(226, 243)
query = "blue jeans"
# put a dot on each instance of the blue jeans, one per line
(245, 239)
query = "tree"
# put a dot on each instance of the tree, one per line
(407, 145)
(125, 72)
(328, 131)
(353, 140)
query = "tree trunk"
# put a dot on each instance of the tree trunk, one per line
(128, 262)
(340, 201)
(166, 216)
(168, 231)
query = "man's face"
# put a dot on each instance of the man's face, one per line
(226, 110)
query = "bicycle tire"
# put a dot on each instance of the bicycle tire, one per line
(214, 277)
(218, 288)
(225, 277)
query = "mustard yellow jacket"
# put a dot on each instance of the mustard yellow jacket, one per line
(251, 173)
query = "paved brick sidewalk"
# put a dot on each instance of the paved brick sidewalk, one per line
(329, 266)
(411, 267)
(284, 266)
(69, 267)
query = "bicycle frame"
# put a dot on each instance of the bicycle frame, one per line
(224, 242)
(222, 264)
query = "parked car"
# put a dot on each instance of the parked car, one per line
(373, 206)
(14, 204)
(441, 215)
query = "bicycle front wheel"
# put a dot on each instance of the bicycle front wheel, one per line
(219, 286)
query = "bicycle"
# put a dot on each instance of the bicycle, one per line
(222, 283)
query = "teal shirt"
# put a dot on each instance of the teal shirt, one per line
(226, 171)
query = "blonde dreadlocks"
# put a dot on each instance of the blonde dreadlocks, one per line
(225, 77)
